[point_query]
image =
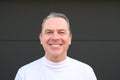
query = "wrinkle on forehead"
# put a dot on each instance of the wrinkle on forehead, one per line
(55, 23)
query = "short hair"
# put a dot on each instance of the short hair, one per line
(54, 14)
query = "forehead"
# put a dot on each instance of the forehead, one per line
(55, 23)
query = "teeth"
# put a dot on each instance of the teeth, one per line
(55, 45)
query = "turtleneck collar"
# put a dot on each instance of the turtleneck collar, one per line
(55, 65)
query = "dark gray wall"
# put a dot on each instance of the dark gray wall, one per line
(95, 27)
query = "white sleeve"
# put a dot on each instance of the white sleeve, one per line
(93, 76)
(20, 75)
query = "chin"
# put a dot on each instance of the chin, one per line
(56, 54)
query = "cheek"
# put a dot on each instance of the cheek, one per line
(44, 40)
(67, 40)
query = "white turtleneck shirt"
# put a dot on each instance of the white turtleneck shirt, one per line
(43, 69)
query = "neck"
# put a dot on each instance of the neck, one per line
(56, 59)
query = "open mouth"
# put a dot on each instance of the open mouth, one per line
(55, 45)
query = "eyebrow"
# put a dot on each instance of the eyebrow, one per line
(58, 30)
(48, 30)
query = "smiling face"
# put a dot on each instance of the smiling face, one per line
(55, 38)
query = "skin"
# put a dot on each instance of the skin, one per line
(55, 38)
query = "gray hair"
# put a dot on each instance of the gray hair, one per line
(54, 14)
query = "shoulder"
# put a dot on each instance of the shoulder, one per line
(30, 66)
(29, 70)
(80, 65)
(83, 69)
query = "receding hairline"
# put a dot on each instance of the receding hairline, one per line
(56, 15)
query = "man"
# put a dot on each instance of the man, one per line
(55, 38)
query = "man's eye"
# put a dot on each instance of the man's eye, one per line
(48, 32)
(61, 32)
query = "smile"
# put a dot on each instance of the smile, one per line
(55, 45)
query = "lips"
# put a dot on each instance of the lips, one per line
(55, 45)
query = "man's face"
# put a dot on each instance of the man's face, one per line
(55, 37)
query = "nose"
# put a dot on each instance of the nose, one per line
(55, 37)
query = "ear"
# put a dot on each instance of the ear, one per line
(70, 39)
(40, 38)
